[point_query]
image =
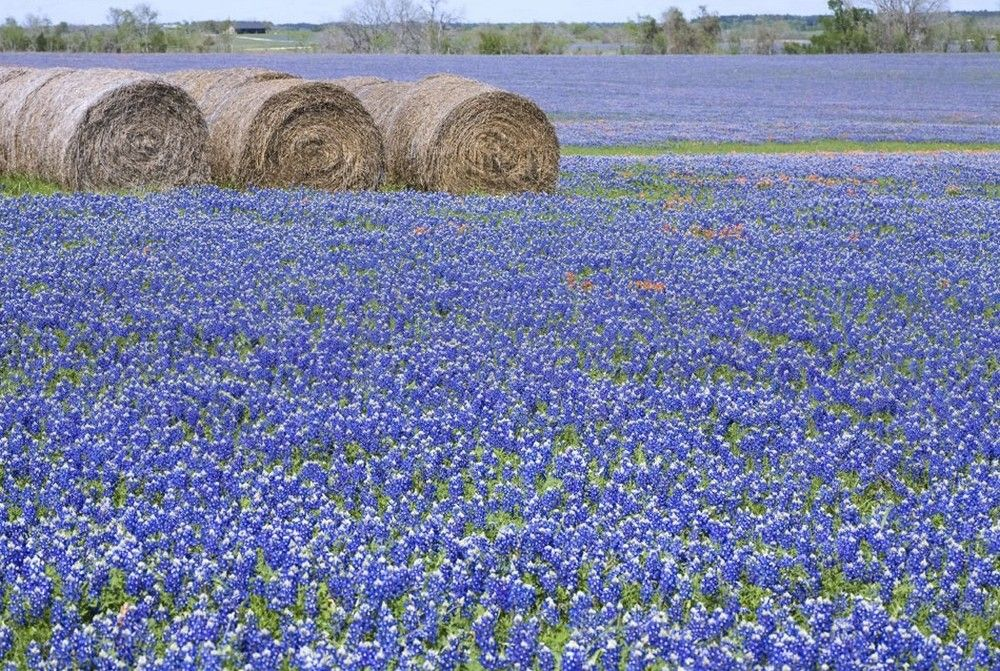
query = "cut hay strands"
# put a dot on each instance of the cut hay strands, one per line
(17, 86)
(273, 129)
(449, 133)
(11, 72)
(101, 129)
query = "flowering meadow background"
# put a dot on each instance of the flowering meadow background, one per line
(717, 412)
(684, 413)
(646, 100)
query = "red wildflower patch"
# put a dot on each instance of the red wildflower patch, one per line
(677, 202)
(573, 282)
(649, 285)
(726, 232)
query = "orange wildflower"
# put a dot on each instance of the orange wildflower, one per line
(677, 202)
(649, 285)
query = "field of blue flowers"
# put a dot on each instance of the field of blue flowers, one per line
(642, 100)
(718, 412)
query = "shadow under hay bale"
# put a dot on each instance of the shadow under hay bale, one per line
(449, 133)
(101, 129)
(274, 129)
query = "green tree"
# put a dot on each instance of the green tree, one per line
(649, 36)
(699, 36)
(493, 42)
(13, 37)
(124, 30)
(708, 27)
(145, 23)
(848, 31)
(57, 42)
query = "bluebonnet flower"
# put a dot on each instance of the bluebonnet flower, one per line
(605, 427)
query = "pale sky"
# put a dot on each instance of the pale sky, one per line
(498, 11)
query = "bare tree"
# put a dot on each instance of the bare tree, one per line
(333, 38)
(438, 16)
(367, 26)
(37, 22)
(373, 26)
(404, 26)
(764, 36)
(408, 26)
(145, 18)
(905, 24)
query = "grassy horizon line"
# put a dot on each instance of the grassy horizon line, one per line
(696, 147)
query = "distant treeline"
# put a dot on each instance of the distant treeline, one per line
(429, 26)
(133, 30)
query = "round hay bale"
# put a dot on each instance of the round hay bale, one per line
(449, 133)
(273, 129)
(17, 85)
(11, 72)
(210, 88)
(103, 129)
(381, 98)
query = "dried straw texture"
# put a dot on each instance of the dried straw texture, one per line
(273, 129)
(380, 97)
(210, 88)
(11, 72)
(448, 133)
(16, 87)
(102, 129)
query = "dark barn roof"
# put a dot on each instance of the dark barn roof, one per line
(254, 26)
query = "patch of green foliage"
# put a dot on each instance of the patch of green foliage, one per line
(846, 32)
(17, 185)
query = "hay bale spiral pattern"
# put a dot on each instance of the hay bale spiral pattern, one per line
(449, 133)
(274, 129)
(100, 129)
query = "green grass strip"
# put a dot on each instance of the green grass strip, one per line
(16, 185)
(12, 186)
(692, 147)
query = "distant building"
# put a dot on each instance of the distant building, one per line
(248, 28)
